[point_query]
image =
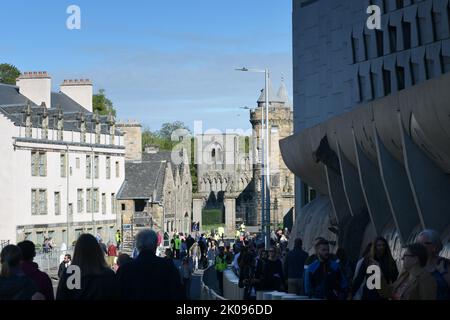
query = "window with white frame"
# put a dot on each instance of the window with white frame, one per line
(108, 167)
(96, 206)
(57, 203)
(34, 202)
(80, 201)
(103, 203)
(88, 200)
(117, 169)
(63, 165)
(88, 166)
(38, 164)
(42, 201)
(113, 203)
(96, 167)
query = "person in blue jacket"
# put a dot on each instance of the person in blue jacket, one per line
(323, 278)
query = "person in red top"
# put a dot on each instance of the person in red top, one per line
(112, 254)
(31, 269)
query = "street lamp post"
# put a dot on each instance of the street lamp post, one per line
(265, 163)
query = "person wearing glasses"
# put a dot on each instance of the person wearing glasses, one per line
(436, 265)
(415, 282)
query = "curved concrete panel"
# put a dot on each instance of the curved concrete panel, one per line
(373, 190)
(351, 184)
(430, 186)
(398, 191)
(312, 221)
(385, 118)
(362, 120)
(297, 152)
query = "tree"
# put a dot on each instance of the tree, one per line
(8, 73)
(102, 104)
(167, 129)
(163, 139)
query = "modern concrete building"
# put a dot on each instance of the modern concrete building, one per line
(61, 165)
(371, 121)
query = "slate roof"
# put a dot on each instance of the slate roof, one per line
(13, 105)
(143, 180)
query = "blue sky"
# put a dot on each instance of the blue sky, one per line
(159, 61)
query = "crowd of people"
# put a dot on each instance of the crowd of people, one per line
(332, 276)
(152, 273)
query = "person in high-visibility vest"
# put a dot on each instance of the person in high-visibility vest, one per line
(177, 246)
(220, 266)
(118, 238)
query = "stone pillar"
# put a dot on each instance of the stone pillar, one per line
(230, 216)
(197, 207)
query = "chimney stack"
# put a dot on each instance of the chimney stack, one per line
(79, 90)
(36, 86)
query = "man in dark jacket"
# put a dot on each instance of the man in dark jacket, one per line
(64, 265)
(149, 277)
(31, 269)
(323, 277)
(189, 242)
(295, 262)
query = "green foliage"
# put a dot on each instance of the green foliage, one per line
(8, 73)
(102, 104)
(151, 138)
(163, 139)
(212, 217)
(169, 127)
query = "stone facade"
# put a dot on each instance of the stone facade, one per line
(231, 174)
(281, 179)
(157, 192)
(133, 139)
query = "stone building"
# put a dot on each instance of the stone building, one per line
(61, 164)
(232, 175)
(224, 174)
(157, 191)
(281, 179)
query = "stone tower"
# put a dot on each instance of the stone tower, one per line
(281, 179)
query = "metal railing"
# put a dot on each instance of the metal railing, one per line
(49, 261)
(210, 285)
(3, 243)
